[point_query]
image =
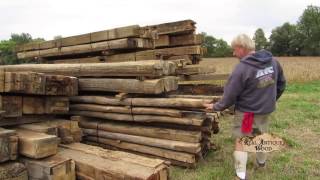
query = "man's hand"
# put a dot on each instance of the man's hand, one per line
(209, 106)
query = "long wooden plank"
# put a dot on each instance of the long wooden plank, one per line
(179, 156)
(126, 128)
(95, 59)
(130, 110)
(178, 27)
(119, 44)
(36, 145)
(97, 165)
(154, 86)
(139, 118)
(146, 102)
(117, 155)
(140, 68)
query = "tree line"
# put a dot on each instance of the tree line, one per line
(300, 39)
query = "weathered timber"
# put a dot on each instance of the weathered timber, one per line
(169, 154)
(9, 145)
(13, 171)
(139, 118)
(134, 110)
(33, 105)
(25, 82)
(96, 59)
(199, 89)
(97, 164)
(203, 77)
(117, 33)
(213, 98)
(50, 168)
(2, 78)
(186, 39)
(140, 68)
(61, 85)
(178, 27)
(166, 53)
(153, 86)
(10, 121)
(123, 57)
(119, 44)
(11, 105)
(56, 105)
(146, 102)
(148, 141)
(117, 155)
(162, 41)
(127, 128)
(68, 131)
(36, 145)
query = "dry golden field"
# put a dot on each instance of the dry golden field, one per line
(296, 69)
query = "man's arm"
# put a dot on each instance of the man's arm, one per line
(281, 82)
(233, 88)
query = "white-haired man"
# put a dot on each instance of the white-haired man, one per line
(253, 87)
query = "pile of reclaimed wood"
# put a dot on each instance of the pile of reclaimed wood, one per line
(131, 104)
(174, 40)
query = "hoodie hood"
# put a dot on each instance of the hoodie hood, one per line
(259, 59)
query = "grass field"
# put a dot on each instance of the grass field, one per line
(297, 120)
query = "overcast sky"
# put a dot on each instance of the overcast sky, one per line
(222, 19)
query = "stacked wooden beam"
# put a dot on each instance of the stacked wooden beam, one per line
(173, 40)
(30, 95)
(174, 129)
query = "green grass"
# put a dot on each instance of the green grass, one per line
(297, 120)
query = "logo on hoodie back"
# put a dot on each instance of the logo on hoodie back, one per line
(265, 77)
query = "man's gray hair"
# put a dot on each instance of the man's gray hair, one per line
(243, 40)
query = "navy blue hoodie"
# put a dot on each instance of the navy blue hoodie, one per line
(254, 85)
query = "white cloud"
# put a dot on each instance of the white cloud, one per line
(222, 19)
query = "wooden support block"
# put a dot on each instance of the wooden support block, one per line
(12, 105)
(8, 144)
(13, 171)
(56, 105)
(36, 145)
(51, 168)
(61, 85)
(24, 82)
(75, 40)
(33, 105)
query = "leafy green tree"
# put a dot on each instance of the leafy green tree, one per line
(309, 29)
(216, 47)
(285, 40)
(7, 48)
(21, 38)
(260, 39)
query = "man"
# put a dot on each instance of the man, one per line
(253, 87)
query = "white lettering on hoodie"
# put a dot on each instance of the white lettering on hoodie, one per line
(265, 71)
